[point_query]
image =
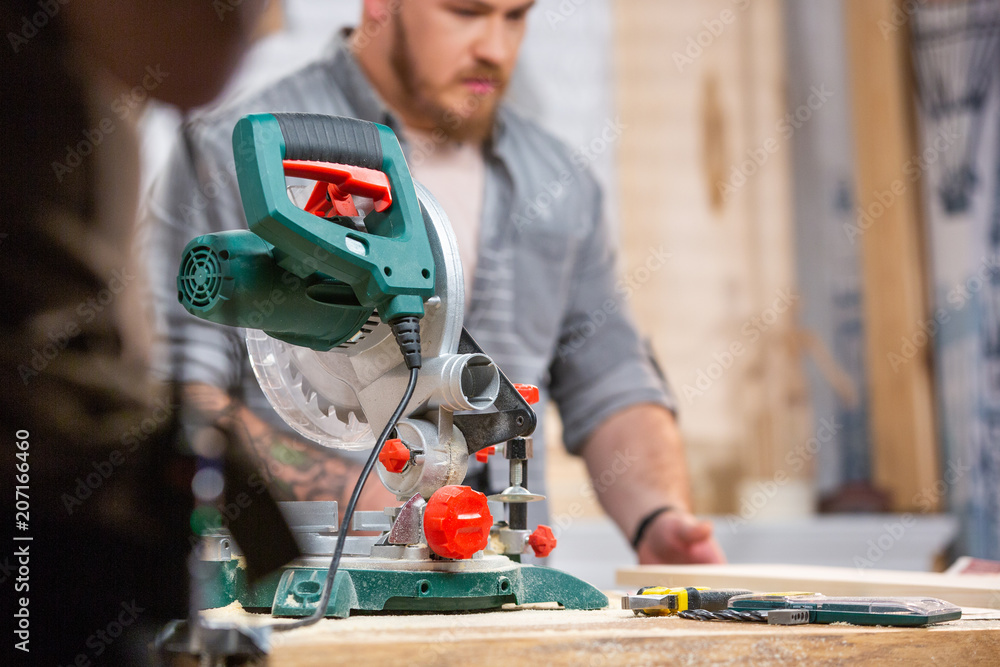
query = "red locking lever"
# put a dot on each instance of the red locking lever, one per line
(335, 185)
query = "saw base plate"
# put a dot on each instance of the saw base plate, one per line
(295, 590)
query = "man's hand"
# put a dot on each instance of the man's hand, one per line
(636, 462)
(677, 537)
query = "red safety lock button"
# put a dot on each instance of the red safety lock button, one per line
(484, 454)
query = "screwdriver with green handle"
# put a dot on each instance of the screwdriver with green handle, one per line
(788, 608)
(859, 610)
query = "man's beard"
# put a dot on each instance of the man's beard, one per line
(471, 122)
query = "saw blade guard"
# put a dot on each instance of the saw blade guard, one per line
(336, 397)
(325, 410)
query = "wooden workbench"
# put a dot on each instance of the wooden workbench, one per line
(551, 637)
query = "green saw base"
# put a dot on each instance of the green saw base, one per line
(295, 591)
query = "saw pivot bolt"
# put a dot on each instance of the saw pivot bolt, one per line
(457, 522)
(517, 451)
(394, 455)
(542, 541)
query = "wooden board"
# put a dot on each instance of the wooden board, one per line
(963, 590)
(905, 454)
(695, 105)
(617, 637)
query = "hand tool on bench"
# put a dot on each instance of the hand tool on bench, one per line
(664, 601)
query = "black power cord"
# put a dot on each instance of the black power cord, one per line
(406, 330)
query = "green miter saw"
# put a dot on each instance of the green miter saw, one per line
(343, 290)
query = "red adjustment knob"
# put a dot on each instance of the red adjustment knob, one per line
(483, 454)
(542, 541)
(528, 392)
(457, 522)
(394, 455)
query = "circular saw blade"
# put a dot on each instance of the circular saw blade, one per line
(315, 392)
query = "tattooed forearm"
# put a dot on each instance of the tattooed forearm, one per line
(304, 472)
(295, 470)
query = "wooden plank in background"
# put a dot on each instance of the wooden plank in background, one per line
(904, 443)
(690, 127)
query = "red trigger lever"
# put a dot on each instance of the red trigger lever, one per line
(335, 185)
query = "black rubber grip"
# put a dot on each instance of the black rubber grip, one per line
(310, 136)
(406, 330)
(712, 600)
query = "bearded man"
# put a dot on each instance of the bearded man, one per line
(543, 299)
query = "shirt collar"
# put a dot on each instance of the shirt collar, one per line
(499, 143)
(346, 73)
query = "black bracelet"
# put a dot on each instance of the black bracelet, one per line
(644, 524)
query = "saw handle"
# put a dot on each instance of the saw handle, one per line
(389, 264)
(333, 139)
